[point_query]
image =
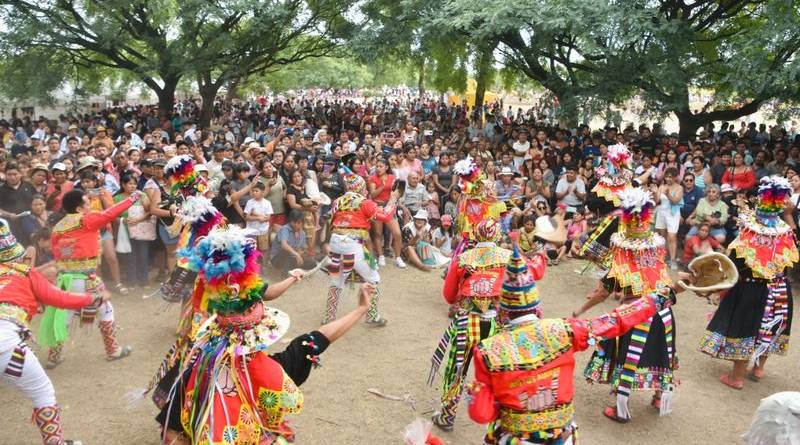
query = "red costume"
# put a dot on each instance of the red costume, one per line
(524, 374)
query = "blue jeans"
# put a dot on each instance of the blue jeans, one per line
(140, 264)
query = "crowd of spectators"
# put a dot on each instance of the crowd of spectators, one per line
(274, 165)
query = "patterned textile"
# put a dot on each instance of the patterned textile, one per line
(766, 251)
(9, 247)
(48, 420)
(638, 263)
(334, 295)
(594, 250)
(17, 361)
(518, 422)
(718, 346)
(496, 435)
(108, 331)
(84, 265)
(774, 320)
(529, 348)
(14, 314)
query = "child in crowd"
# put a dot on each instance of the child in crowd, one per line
(443, 236)
(451, 206)
(433, 200)
(257, 213)
(576, 228)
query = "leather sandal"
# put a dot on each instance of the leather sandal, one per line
(611, 413)
(727, 381)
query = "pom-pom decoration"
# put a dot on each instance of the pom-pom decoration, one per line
(466, 169)
(228, 262)
(615, 176)
(772, 194)
(182, 177)
(200, 216)
(619, 156)
(637, 206)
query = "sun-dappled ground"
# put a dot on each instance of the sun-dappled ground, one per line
(395, 360)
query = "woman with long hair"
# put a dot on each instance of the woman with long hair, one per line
(297, 199)
(380, 187)
(740, 176)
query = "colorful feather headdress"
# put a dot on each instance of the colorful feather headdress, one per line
(182, 177)
(616, 175)
(772, 194)
(637, 255)
(228, 263)
(472, 181)
(352, 181)
(637, 212)
(201, 216)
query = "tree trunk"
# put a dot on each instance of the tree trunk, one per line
(688, 123)
(421, 79)
(166, 97)
(233, 89)
(483, 75)
(208, 92)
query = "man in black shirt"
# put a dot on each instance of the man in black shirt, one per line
(15, 197)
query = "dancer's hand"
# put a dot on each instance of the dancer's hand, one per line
(136, 196)
(297, 273)
(365, 297)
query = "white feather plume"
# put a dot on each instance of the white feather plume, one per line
(222, 239)
(464, 167)
(776, 421)
(634, 199)
(774, 182)
(194, 208)
(176, 161)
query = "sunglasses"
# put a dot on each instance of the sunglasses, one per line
(541, 207)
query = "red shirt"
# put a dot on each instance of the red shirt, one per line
(387, 183)
(694, 241)
(77, 236)
(28, 292)
(740, 181)
(55, 203)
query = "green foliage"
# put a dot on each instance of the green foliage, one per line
(330, 72)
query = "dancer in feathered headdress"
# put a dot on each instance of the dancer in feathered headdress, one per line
(477, 201)
(644, 358)
(754, 319)
(614, 177)
(233, 390)
(351, 219)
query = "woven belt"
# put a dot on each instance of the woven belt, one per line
(14, 314)
(526, 422)
(84, 265)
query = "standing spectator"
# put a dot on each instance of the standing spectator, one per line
(34, 221)
(520, 147)
(571, 190)
(141, 227)
(701, 173)
(257, 213)
(297, 199)
(668, 215)
(739, 176)
(15, 197)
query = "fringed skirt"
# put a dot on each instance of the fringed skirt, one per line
(753, 319)
(649, 352)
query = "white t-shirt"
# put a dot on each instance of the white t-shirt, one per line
(520, 149)
(260, 207)
(446, 247)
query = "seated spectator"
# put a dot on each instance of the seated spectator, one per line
(443, 236)
(414, 198)
(417, 245)
(740, 176)
(700, 243)
(576, 228)
(289, 248)
(710, 210)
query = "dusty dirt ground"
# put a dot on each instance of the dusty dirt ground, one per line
(395, 360)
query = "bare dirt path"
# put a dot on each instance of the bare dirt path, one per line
(394, 360)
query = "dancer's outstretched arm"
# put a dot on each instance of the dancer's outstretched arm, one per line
(335, 329)
(275, 290)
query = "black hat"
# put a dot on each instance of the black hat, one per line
(348, 158)
(219, 147)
